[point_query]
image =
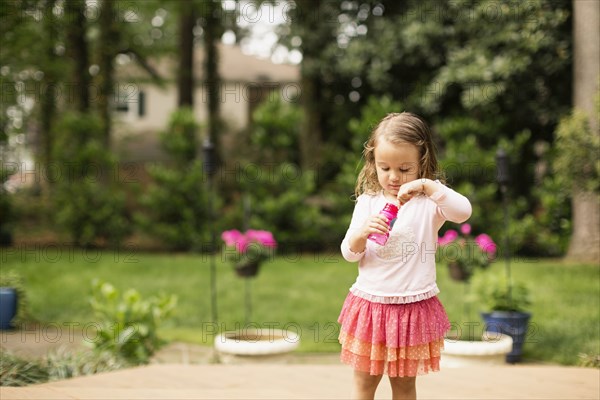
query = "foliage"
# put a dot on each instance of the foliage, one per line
(59, 364)
(89, 203)
(175, 204)
(128, 323)
(495, 293)
(284, 202)
(14, 280)
(275, 129)
(62, 364)
(251, 247)
(6, 212)
(15, 371)
(577, 161)
(468, 252)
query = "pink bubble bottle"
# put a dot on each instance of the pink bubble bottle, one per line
(390, 211)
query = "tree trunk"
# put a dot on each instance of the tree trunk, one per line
(585, 239)
(310, 130)
(109, 36)
(211, 74)
(185, 77)
(48, 97)
(77, 50)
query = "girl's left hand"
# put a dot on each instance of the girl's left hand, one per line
(410, 189)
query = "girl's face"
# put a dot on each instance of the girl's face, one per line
(396, 164)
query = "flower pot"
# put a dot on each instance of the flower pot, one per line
(8, 306)
(247, 270)
(491, 350)
(457, 273)
(510, 323)
(252, 345)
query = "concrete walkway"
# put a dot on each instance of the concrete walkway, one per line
(177, 381)
(185, 371)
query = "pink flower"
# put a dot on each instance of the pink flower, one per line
(242, 241)
(263, 237)
(237, 239)
(465, 229)
(486, 243)
(448, 237)
(231, 237)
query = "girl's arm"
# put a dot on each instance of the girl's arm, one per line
(452, 205)
(362, 225)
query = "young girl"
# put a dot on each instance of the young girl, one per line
(392, 322)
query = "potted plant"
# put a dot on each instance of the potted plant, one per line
(247, 251)
(13, 304)
(506, 305)
(465, 253)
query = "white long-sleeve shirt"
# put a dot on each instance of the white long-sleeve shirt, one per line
(403, 271)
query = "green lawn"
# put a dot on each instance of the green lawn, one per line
(302, 293)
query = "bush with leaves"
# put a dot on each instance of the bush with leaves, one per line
(90, 205)
(174, 207)
(128, 323)
(276, 130)
(13, 280)
(577, 162)
(59, 364)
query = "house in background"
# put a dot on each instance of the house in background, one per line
(143, 107)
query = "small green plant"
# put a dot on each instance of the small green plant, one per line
(128, 323)
(14, 280)
(493, 292)
(16, 371)
(59, 364)
(62, 364)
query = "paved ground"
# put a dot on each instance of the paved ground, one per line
(183, 371)
(177, 381)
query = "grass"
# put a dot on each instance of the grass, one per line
(303, 293)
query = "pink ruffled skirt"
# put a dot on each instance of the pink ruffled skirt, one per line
(397, 339)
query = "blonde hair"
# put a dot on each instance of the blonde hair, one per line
(398, 128)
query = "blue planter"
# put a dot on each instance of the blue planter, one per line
(513, 324)
(8, 306)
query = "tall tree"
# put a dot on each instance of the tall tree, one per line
(185, 72)
(107, 50)
(585, 239)
(211, 11)
(50, 82)
(77, 52)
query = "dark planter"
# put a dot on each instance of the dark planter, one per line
(457, 272)
(247, 270)
(513, 324)
(8, 306)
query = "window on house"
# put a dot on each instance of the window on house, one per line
(141, 103)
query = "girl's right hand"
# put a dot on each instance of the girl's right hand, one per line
(375, 224)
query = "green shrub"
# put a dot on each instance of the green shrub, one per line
(16, 371)
(577, 161)
(5, 208)
(15, 281)
(493, 292)
(128, 323)
(59, 364)
(276, 130)
(89, 203)
(174, 207)
(283, 202)
(62, 364)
